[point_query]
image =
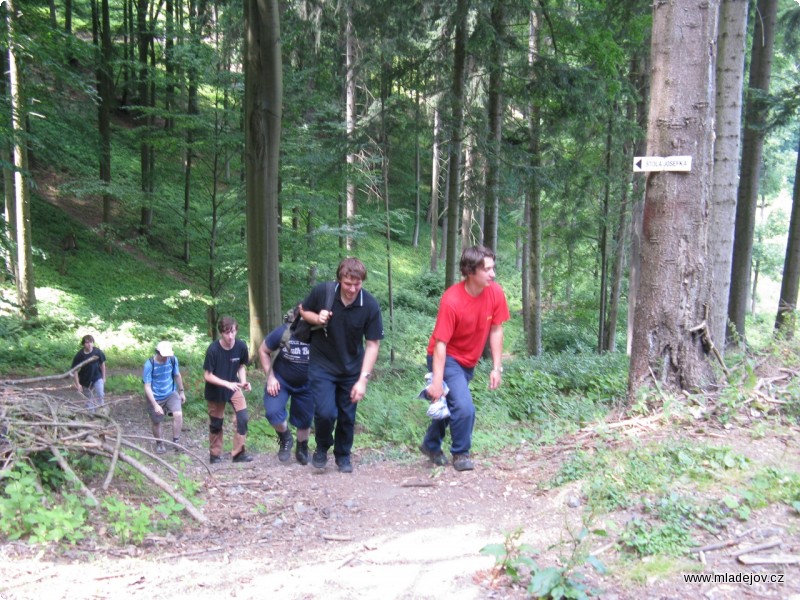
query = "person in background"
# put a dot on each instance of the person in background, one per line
(90, 379)
(340, 365)
(287, 376)
(163, 388)
(225, 374)
(470, 312)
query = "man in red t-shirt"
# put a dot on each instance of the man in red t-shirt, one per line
(470, 312)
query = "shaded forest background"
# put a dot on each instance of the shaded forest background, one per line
(134, 119)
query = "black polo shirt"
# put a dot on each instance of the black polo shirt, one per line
(339, 347)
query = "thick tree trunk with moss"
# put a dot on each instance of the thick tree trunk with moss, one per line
(263, 109)
(668, 349)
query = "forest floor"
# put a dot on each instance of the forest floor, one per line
(392, 529)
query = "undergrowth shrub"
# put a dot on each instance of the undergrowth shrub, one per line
(39, 514)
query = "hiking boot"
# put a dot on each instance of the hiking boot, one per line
(320, 458)
(242, 457)
(177, 442)
(344, 464)
(301, 452)
(462, 462)
(285, 443)
(213, 459)
(438, 458)
(160, 449)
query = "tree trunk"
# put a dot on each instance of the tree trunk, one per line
(263, 108)
(532, 309)
(105, 89)
(752, 146)
(385, 87)
(146, 183)
(68, 17)
(350, 121)
(435, 170)
(787, 305)
(495, 115)
(456, 127)
(26, 291)
(674, 289)
(604, 258)
(417, 175)
(722, 210)
(639, 80)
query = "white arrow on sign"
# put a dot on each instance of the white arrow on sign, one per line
(662, 163)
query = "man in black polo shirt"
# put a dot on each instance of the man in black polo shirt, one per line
(343, 352)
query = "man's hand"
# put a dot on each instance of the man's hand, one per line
(157, 409)
(359, 390)
(434, 391)
(273, 385)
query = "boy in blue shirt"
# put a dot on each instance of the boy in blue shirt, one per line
(163, 387)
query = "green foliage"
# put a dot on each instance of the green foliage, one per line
(512, 558)
(516, 560)
(39, 516)
(130, 524)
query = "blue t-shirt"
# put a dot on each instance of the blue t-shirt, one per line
(161, 376)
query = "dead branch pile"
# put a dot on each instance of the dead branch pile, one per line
(34, 422)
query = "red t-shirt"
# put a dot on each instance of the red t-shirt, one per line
(464, 321)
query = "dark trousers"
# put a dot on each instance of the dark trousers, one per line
(334, 413)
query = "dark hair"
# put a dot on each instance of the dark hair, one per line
(472, 258)
(351, 267)
(87, 338)
(227, 324)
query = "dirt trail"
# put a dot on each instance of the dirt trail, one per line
(391, 529)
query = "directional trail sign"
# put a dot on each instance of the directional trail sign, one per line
(662, 163)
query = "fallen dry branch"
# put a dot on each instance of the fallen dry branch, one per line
(769, 559)
(33, 422)
(724, 544)
(69, 373)
(758, 547)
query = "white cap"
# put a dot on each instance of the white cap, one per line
(164, 349)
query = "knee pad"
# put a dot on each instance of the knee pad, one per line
(241, 421)
(215, 425)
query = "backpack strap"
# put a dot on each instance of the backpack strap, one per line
(330, 292)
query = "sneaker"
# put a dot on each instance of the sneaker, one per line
(438, 458)
(320, 458)
(344, 464)
(301, 452)
(160, 448)
(285, 443)
(242, 457)
(213, 459)
(462, 462)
